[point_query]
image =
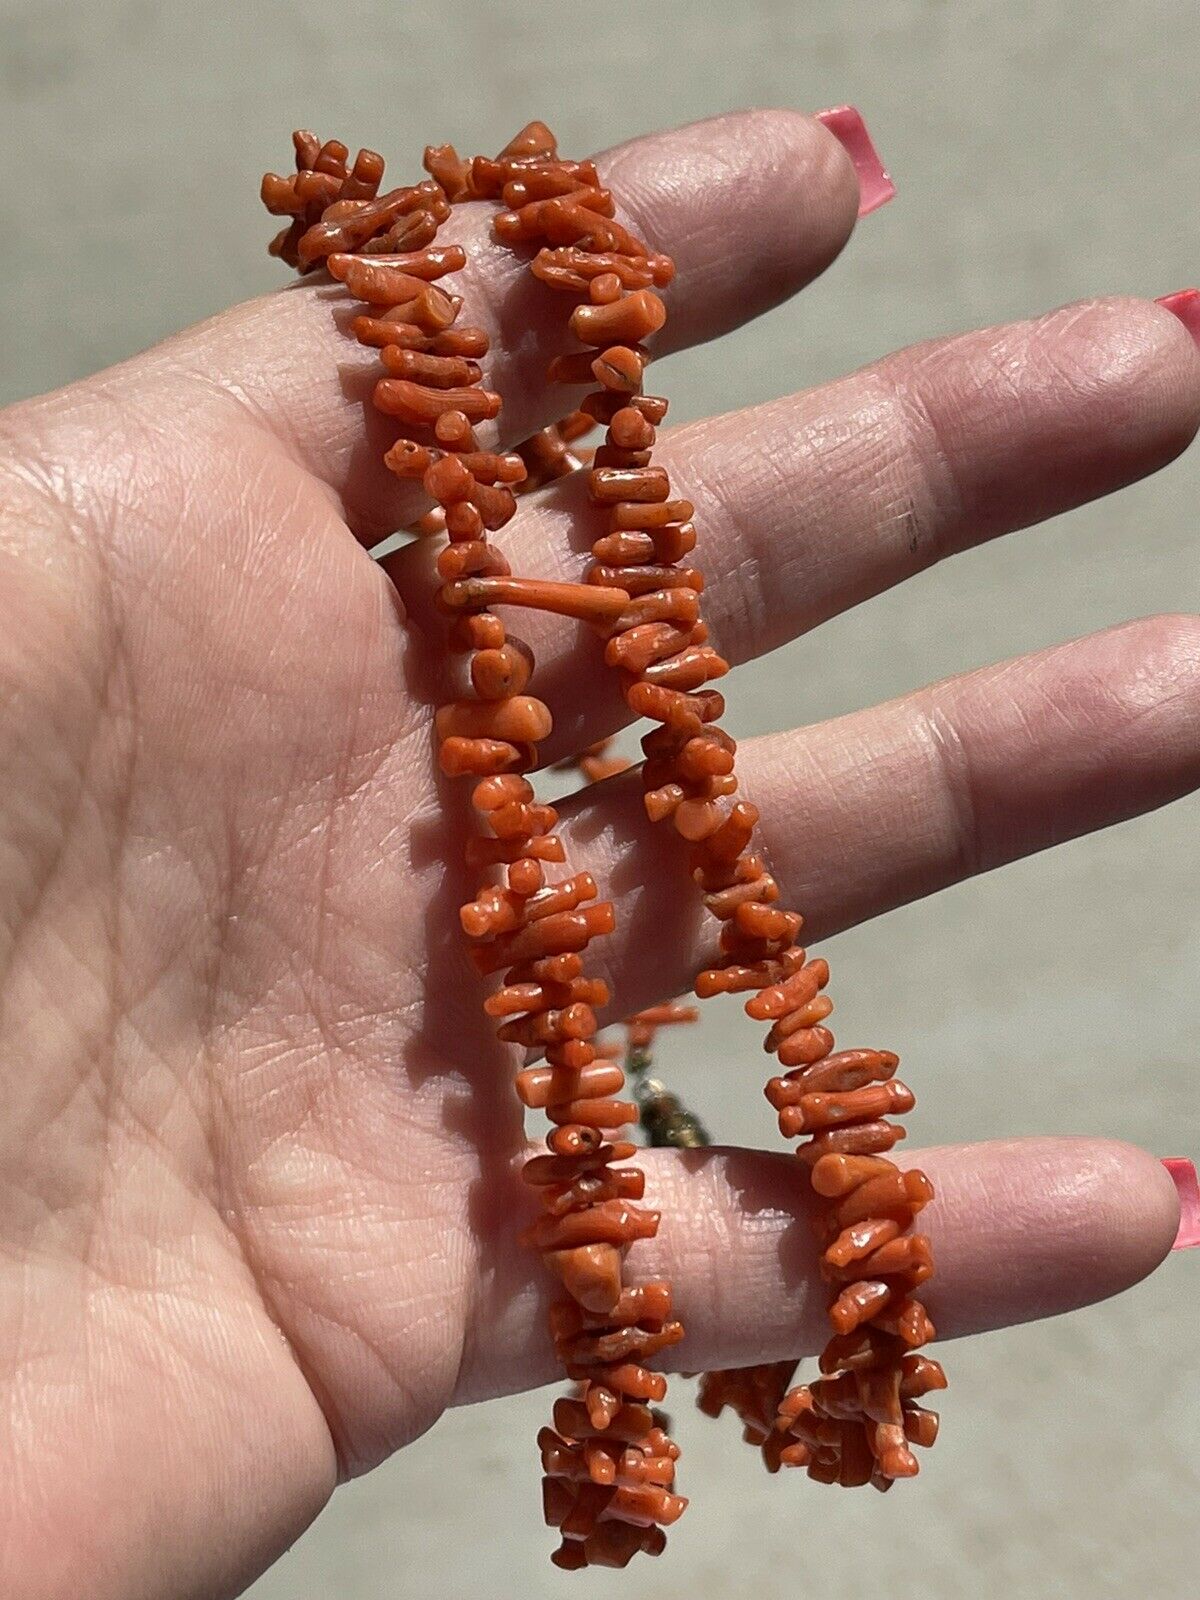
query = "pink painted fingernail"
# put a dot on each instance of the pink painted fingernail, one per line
(846, 125)
(1183, 1175)
(1185, 304)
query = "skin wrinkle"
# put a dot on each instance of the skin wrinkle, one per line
(346, 795)
(954, 772)
(193, 1352)
(379, 757)
(275, 430)
(304, 1308)
(240, 885)
(935, 499)
(310, 1370)
(316, 1049)
(46, 1220)
(854, 454)
(101, 1052)
(26, 913)
(115, 1083)
(54, 491)
(340, 777)
(804, 490)
(154, 1135)
(306, 1305)
(272, 401)
(415, 1397)
(114, 494)
(1031, 707)
(371, 1017)
(745, 583)
(161, 862)
(277, 1320)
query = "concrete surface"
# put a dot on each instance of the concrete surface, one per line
(1043, 152)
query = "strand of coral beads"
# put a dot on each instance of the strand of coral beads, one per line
(609, 1465)
(854, 1425)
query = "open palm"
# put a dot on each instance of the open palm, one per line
(258, 1191)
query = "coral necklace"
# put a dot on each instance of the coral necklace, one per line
(608, 1462)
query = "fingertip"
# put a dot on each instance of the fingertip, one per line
(1043, 1226)
(853, 181)
(1184, 307)
(1133, 1221)
(752, 205)
(807, 189)
(1140, 362)
(1132, 694)
(1152, 676)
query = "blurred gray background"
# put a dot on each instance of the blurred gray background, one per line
(1043, 152)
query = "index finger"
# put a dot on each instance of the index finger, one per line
(751, 205)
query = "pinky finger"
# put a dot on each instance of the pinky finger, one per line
(1021, 1229)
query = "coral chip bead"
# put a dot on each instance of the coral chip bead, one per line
(500, 674)
(521, 719)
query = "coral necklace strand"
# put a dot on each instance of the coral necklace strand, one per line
(609, 1464)
(855, 1424)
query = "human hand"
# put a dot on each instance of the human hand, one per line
(258, 1180)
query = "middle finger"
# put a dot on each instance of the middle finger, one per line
(807, 505)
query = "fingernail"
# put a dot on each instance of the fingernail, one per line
(846, 125)
(1185, 304)
(1183, 1175)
